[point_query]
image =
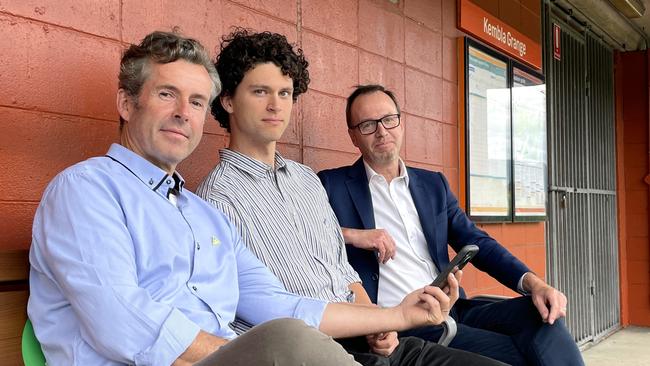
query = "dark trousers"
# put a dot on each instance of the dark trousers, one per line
(413, 351)
(511, 331)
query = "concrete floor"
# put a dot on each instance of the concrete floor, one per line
(629, 347)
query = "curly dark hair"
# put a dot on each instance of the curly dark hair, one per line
(161, 48)
(244, 49)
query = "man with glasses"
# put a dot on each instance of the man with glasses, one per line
(397, 222)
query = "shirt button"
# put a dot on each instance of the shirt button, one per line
(194, 288)
(374, 277)
(169, 181)
(198, 246)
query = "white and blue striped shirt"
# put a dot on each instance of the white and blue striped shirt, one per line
(285, 219)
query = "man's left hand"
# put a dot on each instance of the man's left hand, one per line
(550, 302)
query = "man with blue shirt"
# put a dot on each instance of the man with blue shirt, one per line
(398, 223)
(128, 267)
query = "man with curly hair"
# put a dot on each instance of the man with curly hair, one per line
(280, 207)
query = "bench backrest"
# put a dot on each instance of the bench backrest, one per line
(14, 291)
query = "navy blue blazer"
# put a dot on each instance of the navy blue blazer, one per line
(443, 222)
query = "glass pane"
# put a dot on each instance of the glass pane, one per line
(529, 144)
(489, 136)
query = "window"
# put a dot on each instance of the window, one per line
(529, 145)
(505, 109)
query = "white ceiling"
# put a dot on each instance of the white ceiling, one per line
(644, 21)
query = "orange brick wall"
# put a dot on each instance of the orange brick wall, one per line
(632, 103)
(525, 240)
(60, 63)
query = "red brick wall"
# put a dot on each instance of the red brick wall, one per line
(632, 103)
(61, 59)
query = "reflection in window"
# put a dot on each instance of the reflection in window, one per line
(529, 143)
(489, 135)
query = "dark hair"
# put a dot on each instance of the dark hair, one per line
(366, 89)
(162, 48)
(242, 50)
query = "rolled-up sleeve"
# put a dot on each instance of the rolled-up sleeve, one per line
(350, 275)
(176, 333)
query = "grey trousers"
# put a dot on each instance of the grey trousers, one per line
(281, 342)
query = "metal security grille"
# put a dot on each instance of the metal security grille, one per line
(581, 232)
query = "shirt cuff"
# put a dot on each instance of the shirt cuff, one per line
(352, 278)
(520, 285)
(310, 311)
(176, 334)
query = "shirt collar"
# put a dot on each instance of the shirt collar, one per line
(149, 174)
(371, 173)
(252, 166)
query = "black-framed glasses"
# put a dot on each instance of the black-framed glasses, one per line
(369, 126)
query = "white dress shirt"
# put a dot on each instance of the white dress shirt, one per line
(395, 212)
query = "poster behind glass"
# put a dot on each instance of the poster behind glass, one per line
(529, 145)
(489, 137)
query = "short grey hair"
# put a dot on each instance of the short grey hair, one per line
(162, 47)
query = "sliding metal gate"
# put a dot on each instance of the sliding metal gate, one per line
(582, 246)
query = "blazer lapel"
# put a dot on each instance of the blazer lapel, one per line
(424, 208)
(360, 194)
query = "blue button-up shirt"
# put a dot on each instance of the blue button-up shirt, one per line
(121, 275)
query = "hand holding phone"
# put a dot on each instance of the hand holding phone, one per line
(460, 260)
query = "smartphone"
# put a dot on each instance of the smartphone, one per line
(460, 260)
